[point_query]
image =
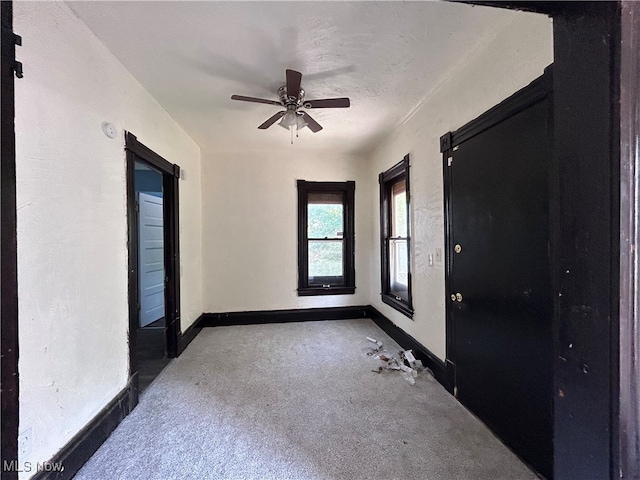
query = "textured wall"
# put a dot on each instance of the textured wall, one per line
(250, 227)
(72, 223)
(494, 68)
(72, 229)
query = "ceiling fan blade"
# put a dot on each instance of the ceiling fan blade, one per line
(311, 123)
(272, 120)
(255, 100)
(328, 103)
(293, 83)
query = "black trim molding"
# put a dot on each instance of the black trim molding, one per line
(403, 339)
(8, 240)
(345, 284)
(282, 316)
(85, 443)
(586, 219)
(133, 145)
(521, 100)
(77, 451)
(407, 342)
(137, 152)
(543, 7)
(395, 174)
(538, 90)
(189, 334)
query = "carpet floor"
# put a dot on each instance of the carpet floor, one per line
(297, 401)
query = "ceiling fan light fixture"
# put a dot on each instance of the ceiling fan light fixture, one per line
(289, 120)
(300, 121)
(293, 121)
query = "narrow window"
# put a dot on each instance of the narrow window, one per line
(395, 238)
(326, 238)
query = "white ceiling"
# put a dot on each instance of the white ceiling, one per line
(385, 56)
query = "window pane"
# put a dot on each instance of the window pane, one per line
(399, 209)
(398, 267)
(325, 258)
(325, 220)
(395, 229)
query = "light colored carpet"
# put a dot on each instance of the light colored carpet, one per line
(297, 401)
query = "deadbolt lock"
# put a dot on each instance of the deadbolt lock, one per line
(453, 297)
(457, 248)
(458, 297)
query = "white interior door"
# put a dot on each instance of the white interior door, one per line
(150, 258)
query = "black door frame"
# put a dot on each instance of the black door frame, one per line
(137, 152)
(596, 350)
(8, 241)
(540, 90)
(582, 23)
(533, 93)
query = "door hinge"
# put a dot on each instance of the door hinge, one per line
(137, 207)
(16, 40)
(445, 142)
(449, 161)
(17, 68)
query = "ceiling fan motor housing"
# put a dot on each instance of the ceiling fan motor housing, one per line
(287, 100)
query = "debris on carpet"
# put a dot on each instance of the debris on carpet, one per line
(376, 342)
(405, 362)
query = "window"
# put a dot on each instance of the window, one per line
(326, 238)
(395, 237)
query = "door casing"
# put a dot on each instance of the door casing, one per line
(137, 152)
(538, 96)
(9, 254)
(603, 22)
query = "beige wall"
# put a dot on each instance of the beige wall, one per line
(238, 232)
(72, 222)
(494, 69)
(250, 227)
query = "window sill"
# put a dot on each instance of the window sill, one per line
(398, 305)
(310, 291)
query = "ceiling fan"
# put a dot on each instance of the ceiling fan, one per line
(292, 99)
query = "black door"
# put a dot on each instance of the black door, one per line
(499, 285)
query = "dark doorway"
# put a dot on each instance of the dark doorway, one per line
(500, 310)
(154, 322)
(151, 345)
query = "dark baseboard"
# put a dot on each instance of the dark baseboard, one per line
(190, 333)
(283, 316)
(407, 342)
(77, 451)
(403, 339)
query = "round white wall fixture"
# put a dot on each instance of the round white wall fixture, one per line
(109, 129)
